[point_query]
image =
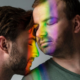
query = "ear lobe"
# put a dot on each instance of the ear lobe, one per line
(3, 44)
(77, 24)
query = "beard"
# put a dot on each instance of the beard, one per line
(66, 46)
(17, 60)
(62, 45)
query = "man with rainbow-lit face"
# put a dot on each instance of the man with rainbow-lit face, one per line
(58, 34)
(17, 42)
(32, 49)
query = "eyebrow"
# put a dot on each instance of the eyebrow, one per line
(49, 19)
(36, 24)
(45, 20)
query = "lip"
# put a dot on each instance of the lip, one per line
(45, 43)
(31, 60)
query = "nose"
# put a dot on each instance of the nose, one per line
(41, 31)
(35, 51)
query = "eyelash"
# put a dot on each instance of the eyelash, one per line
(52, 22)
(30, 44)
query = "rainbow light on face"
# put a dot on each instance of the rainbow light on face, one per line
(41, 73)
(47, 16)
(32, 51)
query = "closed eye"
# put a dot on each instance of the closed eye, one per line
(52, 21)
(29, 44)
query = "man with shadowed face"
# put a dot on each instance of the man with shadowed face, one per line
(58, 34)
(17, 42)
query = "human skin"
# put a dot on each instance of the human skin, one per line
(18, 56)
(53, 27)
(32, 49)
(56, 35)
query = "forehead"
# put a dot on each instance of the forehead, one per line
(26, 35)
(49, 8)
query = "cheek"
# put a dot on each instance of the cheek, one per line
(32, 50)
(25, 47)
(29, 51)
(53, 32)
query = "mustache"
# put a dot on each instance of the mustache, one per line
(30, 41)
(32, 58)
(44, 39)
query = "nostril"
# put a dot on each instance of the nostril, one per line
(36, 55)
(41, 33)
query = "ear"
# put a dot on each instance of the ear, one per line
(3, 44)
(77, 24)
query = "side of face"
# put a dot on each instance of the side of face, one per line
(18, 53)
(22, 52)
(32, 50)
(54, 30)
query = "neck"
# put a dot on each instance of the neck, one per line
(5, 73)
(70, 62)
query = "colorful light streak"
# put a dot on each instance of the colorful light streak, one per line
(40, 73)
(46, 16)
(32, 50)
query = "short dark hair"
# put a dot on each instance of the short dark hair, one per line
(71, 10)
(13, 21)
(37, 2)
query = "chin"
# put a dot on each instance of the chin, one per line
(27, 70)
(48, 50)
(21, 72)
